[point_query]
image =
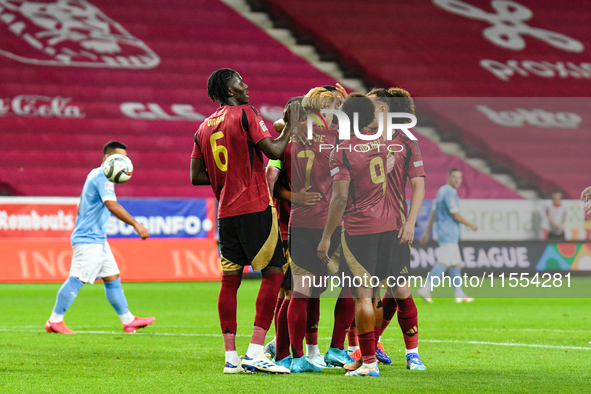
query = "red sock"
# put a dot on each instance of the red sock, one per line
(265, 304)
(258, 335)
(352, 334)
(367, 344)
(296, 320)
(227, 309)
(377, 334)
(229, 342)
(409, 322)
(276, 316)
(344, 314)
(390, 306)
(312, 321)
(282, 334)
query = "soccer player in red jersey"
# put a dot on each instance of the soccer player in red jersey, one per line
(227, 155)
(279, 179)
(404, 163)
(311, 169)
(360, 199)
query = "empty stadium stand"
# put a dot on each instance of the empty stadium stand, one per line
(451, 48)
(55, 117)
(144, 83)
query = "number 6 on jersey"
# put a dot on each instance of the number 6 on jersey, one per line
(219, 150)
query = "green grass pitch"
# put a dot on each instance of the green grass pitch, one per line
(492, 345)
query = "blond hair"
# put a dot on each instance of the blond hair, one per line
(318, 98)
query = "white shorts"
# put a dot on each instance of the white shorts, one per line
(92, 261)
(449, 255)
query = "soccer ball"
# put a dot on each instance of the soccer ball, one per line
(118, 168)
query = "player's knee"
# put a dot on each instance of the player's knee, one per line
(110, 278)
(272, 270)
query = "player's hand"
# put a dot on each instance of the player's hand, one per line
(291, 112)
(341, 90)
(390, 163)
(586, 194)
(305, 198)
(425, 238)
(142, 231)
(473, 226)
(322, 251)
(301, 133)
(587, 208)
(407, 233)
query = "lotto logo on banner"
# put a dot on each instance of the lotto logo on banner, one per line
(68, 33)
(37, 220)
(167, 218)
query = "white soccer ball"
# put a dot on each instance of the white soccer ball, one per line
(118, 168)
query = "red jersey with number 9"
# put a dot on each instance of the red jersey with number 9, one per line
(226, 143)
(363, 163)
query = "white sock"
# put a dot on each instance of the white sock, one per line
(255, 350)
(232, 357)
(56, 318)
(312, 350)
(126, 318)
(353, 348)
(380, 339)
(415, 350)
(273, 340)
(370, 365)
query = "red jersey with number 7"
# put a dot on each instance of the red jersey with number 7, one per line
(226, 143)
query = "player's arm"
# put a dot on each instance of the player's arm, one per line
(302, 197)
(585, 198)
(432, 218)
(338, 203)
(121, 214)
(273, 170)
(407, 231)
(273, 148)
(460, 219)
(279, 125)
(199, 174)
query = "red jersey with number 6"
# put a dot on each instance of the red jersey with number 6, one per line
(226, 143)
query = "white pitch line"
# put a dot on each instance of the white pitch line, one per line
(181, 334)
(506, 344)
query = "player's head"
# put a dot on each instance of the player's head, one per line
(226, 86)
(320, 98)
(114, 147)
(402, 101)
(454, 178)
(364, 106)
(394, 100)
(333, 90)
(556, 196)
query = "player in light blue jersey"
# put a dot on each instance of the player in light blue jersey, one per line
(447, 218)
(92, 257)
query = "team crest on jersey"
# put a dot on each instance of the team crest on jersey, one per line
(68, 33)
(263, 125)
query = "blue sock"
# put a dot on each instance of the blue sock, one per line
(457, 284)
(116, 297)
(436, 271)
(66, 295)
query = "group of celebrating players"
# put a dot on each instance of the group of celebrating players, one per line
(322, 206)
